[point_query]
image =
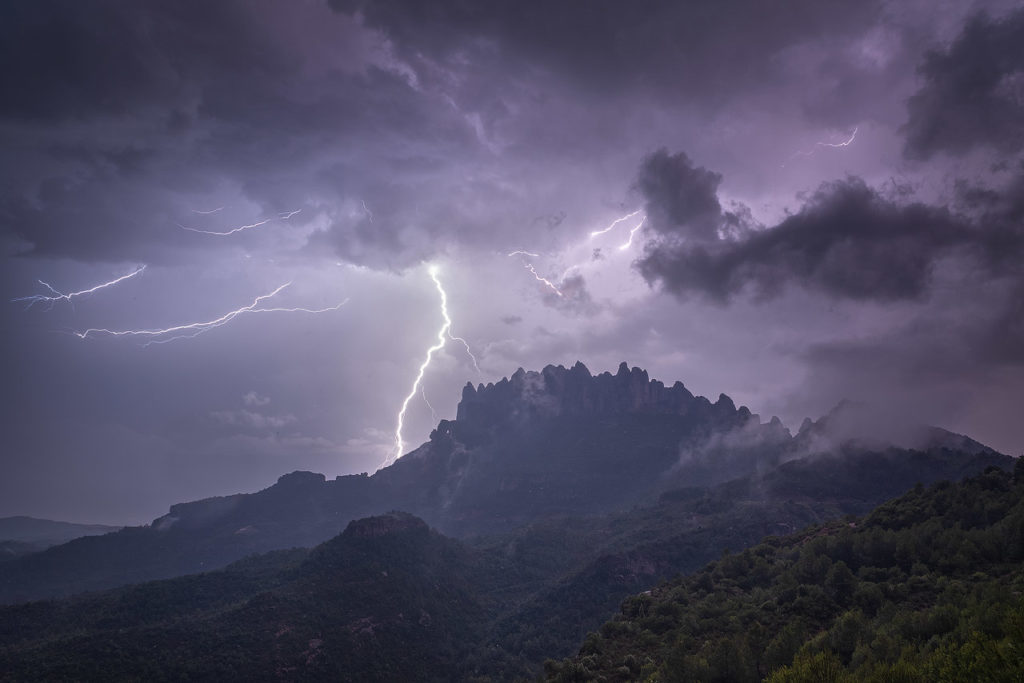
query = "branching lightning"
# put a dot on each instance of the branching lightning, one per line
(60, 296)
(614, 223)
(280, 217)
(190, 330)
(469, 351)
(554, 287)
(629, 242)
(423, 393)
(443, 336)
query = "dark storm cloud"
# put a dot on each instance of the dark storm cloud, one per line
(82, 59)
(124, 117)
(702, 49)
(973, 92)
(680, 199)
(847, 241)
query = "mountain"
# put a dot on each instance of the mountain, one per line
(23, 535)
(534, 446)
(390, 599)
(925, 588)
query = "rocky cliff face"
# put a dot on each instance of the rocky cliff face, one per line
(556, 390)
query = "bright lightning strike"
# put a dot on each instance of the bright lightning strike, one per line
(629, 242)
(190, 330)
(614, 223)
(280, 217)
(523, 253)
(443, 335)
(59, 296)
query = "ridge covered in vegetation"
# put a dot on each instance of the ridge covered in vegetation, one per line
(926, 587)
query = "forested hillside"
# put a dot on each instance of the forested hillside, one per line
(925, 588)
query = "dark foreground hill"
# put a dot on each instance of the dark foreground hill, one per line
(925, 588)
(537, 445)
(386, 600)
(928, 580)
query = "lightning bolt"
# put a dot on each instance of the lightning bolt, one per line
(59, 296)
(629, 242)
(369, 214)
(423, 393)
(191, 330)
(544, 280)
(834, 145)
(443, 336)
(280, 217)
(207, 213)
(469, 351)
(845, 143)
(523, 253)
(614, 223)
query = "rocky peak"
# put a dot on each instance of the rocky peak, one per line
(556, 390)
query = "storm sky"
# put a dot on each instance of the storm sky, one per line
(830, 201)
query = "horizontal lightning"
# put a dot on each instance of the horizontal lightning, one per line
(523, 253)
(60, 296)
(845, 143)
(207, 213)
(280, 217)
(834, 145)
(191, 330)
(614, 223)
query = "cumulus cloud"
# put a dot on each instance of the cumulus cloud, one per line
(846, 241)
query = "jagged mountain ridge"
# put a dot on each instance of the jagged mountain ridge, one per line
(532, 446)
